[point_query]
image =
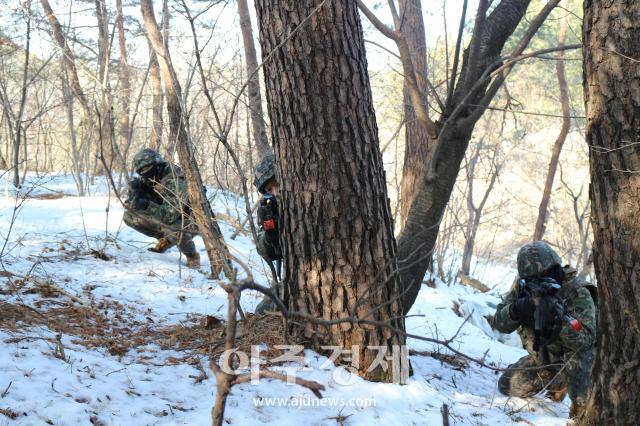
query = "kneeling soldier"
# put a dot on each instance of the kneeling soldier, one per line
(554, 313)
(158, 205)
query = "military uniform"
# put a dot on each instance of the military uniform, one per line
(267, 240)
(267, 245)
(164, 214)
(572, 350)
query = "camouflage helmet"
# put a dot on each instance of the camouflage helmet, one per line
(535, 258)
(146, 157)
(265, 170)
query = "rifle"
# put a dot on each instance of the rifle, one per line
(269, 219)
(549, 312)
(139, 188)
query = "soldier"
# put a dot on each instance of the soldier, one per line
(158, 205)
(562, 336)
(268, 243)
(268, 233)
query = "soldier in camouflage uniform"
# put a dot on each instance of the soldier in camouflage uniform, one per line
(158, 205)
(572, 351)
(268, 232)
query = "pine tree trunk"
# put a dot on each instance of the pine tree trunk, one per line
(253, 88)
(337, 229)
(611, 41)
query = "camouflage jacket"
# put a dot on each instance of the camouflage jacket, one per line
(172, 190)
(578, 304)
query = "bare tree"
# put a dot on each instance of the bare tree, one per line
(482, 72)
(475, 210)
(19, 131)
(564, 131)
(217, 250)
(253, 87)
(125, 92)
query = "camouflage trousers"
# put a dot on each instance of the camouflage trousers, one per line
(573, 374)
(180, 234)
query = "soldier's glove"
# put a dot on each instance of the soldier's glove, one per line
(522, 309)
(140, 203)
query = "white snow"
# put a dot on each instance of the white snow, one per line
(50, 239)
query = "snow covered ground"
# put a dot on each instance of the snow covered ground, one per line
(52, 239)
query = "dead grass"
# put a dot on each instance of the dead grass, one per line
(118, 329)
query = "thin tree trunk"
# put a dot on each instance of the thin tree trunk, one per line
(106, 148)
(217, 251)
(564, 131)
(253, 88)
(611, 42)
(157, 100)
(23, 100)
(125, 90)
(67, 58)
(75, 151)
(417, 140)
(337, 229)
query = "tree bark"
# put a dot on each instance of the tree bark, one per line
(611, 35)
(417, 139)
(217, 251)
(564, 131)
(253, 88)
(337, 233)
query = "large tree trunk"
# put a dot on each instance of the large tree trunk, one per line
(417, 140)
(253, 87)
(217, 250)
(611, 42)
(564, 131)
(337, 229)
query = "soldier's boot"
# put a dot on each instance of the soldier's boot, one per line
(576, 409)
(161, 246)
(557, 395)
(193, 260)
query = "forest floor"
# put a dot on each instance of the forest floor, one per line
(94, 329)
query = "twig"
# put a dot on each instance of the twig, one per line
(6, 391)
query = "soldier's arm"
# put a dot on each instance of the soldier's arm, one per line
(173, 192)
(582, 308)
(503, 321)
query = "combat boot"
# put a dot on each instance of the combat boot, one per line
(193, 260)
(161, 246)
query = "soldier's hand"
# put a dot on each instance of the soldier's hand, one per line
(522, 309)
(140, 203)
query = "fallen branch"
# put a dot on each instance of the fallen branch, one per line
(472, 282)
